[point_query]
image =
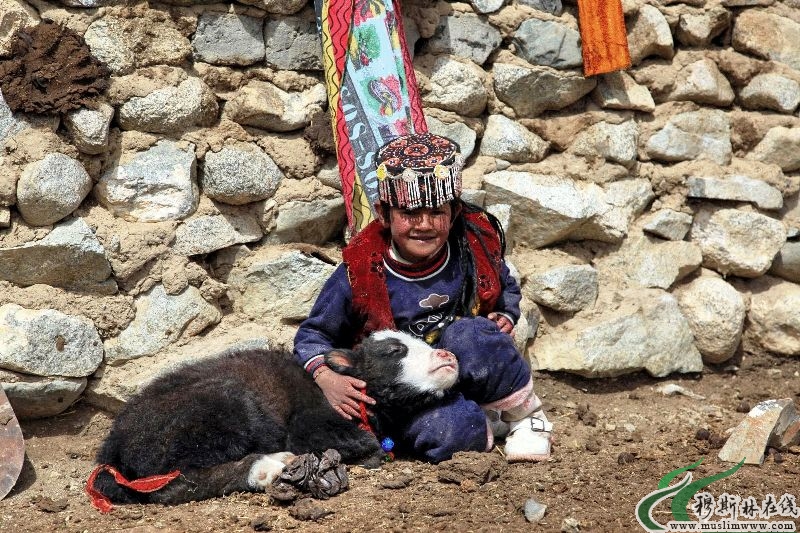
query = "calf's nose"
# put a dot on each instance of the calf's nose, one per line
(444, 354)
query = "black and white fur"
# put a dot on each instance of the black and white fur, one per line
(232, 422)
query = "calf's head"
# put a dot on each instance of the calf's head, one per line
(400, 370)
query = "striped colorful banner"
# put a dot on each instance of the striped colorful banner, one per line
(372, 92)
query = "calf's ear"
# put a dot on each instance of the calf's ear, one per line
(340, 361)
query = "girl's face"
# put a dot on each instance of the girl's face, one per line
(420, 233)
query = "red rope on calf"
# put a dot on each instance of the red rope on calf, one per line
(362, 412)
(146, 484)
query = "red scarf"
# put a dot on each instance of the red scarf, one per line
(365, 270)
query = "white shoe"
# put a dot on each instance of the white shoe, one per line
(500, 428)
(529, 439)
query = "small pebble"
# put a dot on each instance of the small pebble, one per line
(625, 458)
(570, 525)
(534, 511)
(261, 523)
(702, 434)
(715, 441)
(743, 407)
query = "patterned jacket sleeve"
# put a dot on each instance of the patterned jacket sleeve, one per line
(330, 324)
(510, 295)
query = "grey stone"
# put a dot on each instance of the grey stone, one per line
(5, 217)
(70, 256)
(9, 122)
(47, 342)
(548, 43)
(668, 224)
(466, 36)
(618, 90)
(487, 6)
(277, 7)
(750, 438)
(654, 263)
(735, 187)
(773, 320)
(771, 91)
(780, 146)
(293, 43)
(171, 109)
(50, 189)
(328, 175)
(567, 288)
(154, 185)
(456, 131)
(39, 397)
(284, 287)
(534, 511)
(530, 91)
(161, 319)
(703, 134)
(644, 330)
(457, 87)
(314, 222)
(554, 7)
(14, 14)
(768, 36)
(544, 208)
(613, 142)
(699, 29)
(715, 311)
(240, 174)
(702, 82)
(89, 128)
(737, 242)
(786, 264)
(228, 39)
(511, 141)
(263, 105)
(208, 233)
(649, 35)
(616, 205)
(503, 214)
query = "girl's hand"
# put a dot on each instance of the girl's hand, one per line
(502, 321)
(342, 392)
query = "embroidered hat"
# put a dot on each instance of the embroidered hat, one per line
(419, 170)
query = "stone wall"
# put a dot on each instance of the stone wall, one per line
(194, 204)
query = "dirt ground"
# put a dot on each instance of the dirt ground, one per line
(606, 458)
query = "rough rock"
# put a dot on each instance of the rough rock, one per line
(487, 6)
(645, 330)
(767, 35)
(612, 142)
(240, 173)
(293, 43)
(654, 263)
(228, 39)
(735, 187)
(737, 242)
(548, 43)
(14, 14)
(263, 105)
(699, 29)
(150, 186)
(511, 141)
(649, 35)
(702, 82)
(283, 286)
(89, 128)
(38, 397)
(692, 135)
(456, 131)
(618, 90)
(10, 123)
(715, 311)
(464, 35)
(171, 109)
(207, 233)
(313, 222)
(50, 189)
(668, 224)
(786, 264)
(46, 342)
(457, 86)
(5, 217)
(774, 315)
(532, 90)
(780, 146)
(554, 7)
(771, 91)
(70, 256)
(161, 319)
(616, 205)
(566, 288)
(544, 208)
(278, 7)
(761, 426)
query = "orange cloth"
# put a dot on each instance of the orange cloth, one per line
(603, 36)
